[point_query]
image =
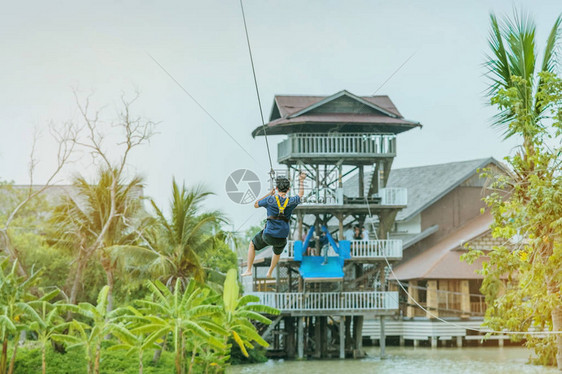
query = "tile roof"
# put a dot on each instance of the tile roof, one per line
(343, 112)
(442, 261)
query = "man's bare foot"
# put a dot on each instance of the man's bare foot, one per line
(247, 273)
(268, 275)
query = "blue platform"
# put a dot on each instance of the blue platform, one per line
(314, 267)
(320, 268)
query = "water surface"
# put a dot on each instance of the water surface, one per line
(492, 360)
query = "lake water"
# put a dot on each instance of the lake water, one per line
(493, 360)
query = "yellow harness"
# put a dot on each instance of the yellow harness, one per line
(281, 214)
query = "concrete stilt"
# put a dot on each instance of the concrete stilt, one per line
(433, 340)
(416, 343)
(459, 341)
(300, 333)
(342, 337)
(382, 340)
(500, 342)
(402, 342)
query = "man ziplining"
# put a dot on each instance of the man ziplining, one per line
(279, 208)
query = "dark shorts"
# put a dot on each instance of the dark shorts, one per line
(262, 240)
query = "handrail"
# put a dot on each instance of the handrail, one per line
(345, 144)
(329, 301)
(389, 248)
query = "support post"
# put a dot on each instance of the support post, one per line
(361, 181)
(459, 341)
(300, 333)
(465, 299)
(432, 301)
(324, 337)
(416, 343)
(358, 336)
(433, 340)
(290, 337)
(342, 337)
(413, 291)
(382, 339)
(317, 338)
(401, 341)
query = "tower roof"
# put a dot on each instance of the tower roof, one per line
(343, 112)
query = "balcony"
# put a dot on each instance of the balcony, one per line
(334, 147)
(368, 250)
(342, 302)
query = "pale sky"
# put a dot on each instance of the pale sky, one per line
(300, 47)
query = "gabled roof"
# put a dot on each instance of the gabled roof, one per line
(343, 111)
(442, 261)
(426, 184)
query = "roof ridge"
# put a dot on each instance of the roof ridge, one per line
(447, 163)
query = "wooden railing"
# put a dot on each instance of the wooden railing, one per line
(329, 301)
(391, 248)
(393, 196)
(363, 249)
(337, 144)
(449, 303)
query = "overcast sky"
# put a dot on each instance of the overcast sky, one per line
(300, 47)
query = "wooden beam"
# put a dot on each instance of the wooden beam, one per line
(361, 181)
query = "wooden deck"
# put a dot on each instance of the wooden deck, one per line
(331, 303)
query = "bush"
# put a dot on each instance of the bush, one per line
(28, 361)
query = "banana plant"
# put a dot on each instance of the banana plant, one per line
(91, 336)
(238, 312)
(47, 323)
(129, 341)
(180, 313)
(15, 311)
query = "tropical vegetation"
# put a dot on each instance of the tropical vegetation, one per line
(522, 278)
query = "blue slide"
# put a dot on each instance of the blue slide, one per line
(320, 268)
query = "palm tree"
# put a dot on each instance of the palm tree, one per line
(514, 64)
(176, 245)
(101, 218)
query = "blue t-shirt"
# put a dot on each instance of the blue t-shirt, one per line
(276, 227)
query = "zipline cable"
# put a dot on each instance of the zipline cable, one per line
(264, 128)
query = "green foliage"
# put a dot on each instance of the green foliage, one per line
(522, 278)
(73, 362)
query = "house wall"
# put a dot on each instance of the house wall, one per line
(413, 226)
(451, 212)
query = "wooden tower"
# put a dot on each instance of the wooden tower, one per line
(325, 293)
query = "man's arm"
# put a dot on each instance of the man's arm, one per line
(302, 177)
(271, 193)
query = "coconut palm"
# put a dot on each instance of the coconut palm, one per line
(99, 219)
(514, 63)
(177, 244)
